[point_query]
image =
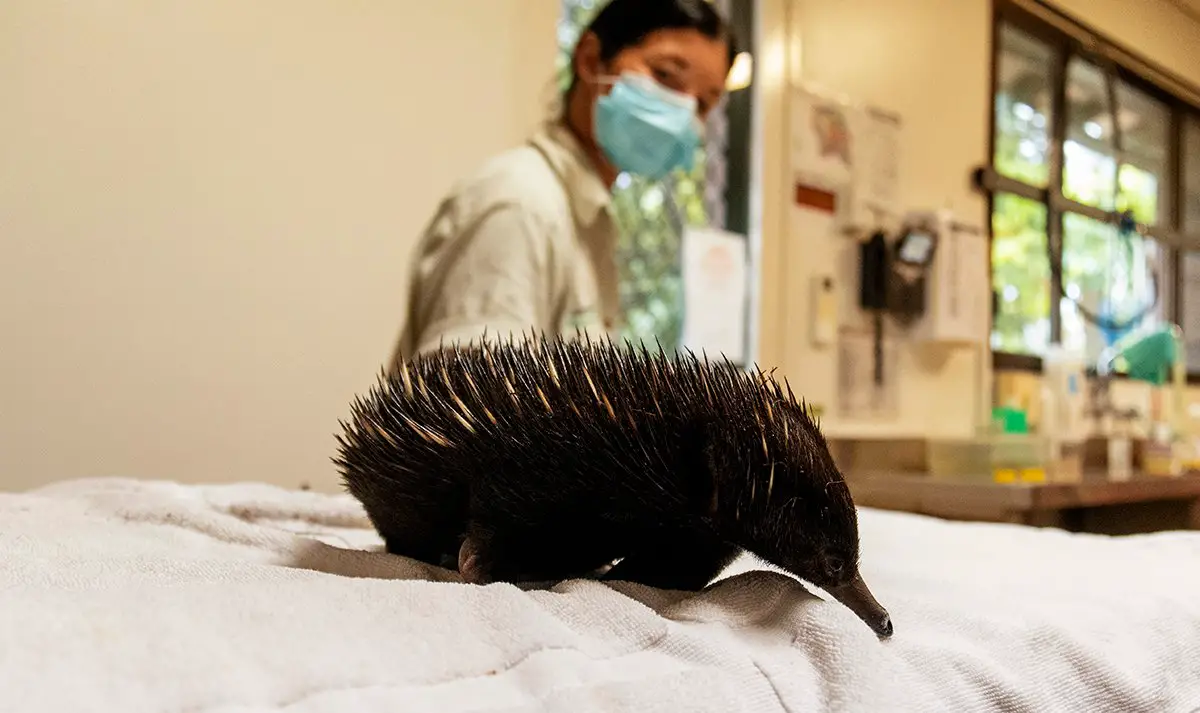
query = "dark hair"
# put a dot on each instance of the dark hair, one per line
(626, 23)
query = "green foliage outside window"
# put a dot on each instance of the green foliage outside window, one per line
(1021, 274)
(650, 216)
(1097, 265)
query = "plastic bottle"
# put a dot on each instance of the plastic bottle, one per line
(1120, 451)
(1064, 414)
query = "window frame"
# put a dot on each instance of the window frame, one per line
(1067, 38)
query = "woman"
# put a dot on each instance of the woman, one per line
(528, 243)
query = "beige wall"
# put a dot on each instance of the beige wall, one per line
(928, 60)
(894, 54)
(1155, 29)
(206, 210)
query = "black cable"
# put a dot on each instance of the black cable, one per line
(1126, 225)
(874, 263)
(1106, 323)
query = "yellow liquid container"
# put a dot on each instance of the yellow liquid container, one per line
(989, 457)
(1161, 454)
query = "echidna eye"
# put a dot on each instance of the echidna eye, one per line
(835, 565)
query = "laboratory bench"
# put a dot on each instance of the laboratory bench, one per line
(1141, 504)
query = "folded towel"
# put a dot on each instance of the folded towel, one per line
(121, 595)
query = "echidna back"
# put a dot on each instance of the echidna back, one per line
(540, 417)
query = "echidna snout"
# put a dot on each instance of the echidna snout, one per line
(834, 567)
(857, 597)
(821, 546)
(797, 511)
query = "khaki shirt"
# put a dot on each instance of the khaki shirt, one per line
(527, 244)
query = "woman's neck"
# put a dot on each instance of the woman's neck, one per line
(578, 121)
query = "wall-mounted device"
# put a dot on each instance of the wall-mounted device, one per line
(913, 256)
(825, 311)
(930, 277)
(875, 265)
(957, 295)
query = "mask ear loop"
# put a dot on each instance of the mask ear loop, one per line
(1127, 228)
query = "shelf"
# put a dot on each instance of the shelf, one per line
(1030, 503)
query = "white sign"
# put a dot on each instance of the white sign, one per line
(877, 164)
(822, 141)
(714, 292)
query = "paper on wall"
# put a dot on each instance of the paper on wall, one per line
(848, 149)
(715, 296)
(858, 396)
(876, 183)
(822, 141)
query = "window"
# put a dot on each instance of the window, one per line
(1095, 229)
(1022, 108)
(1189, 264)
(652, 216)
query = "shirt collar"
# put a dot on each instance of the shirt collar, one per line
(588, 195)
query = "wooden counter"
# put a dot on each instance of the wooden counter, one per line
(1143, 504)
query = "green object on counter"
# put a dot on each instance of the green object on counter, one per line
(1010, 420)
(1148, 358)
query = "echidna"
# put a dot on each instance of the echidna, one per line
(548, 458)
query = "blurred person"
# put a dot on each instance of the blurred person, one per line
(528, 243)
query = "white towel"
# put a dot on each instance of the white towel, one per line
(131, 596)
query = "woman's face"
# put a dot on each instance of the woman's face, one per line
(685, 61)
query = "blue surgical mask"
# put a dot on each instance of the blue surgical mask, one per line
(646, 129)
